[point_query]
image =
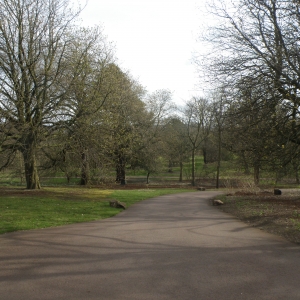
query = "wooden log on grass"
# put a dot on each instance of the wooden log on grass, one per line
(117, 204)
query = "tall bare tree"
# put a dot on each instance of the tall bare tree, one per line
(198, 120)
(256, 60)
(256, 43)
(176, 144)
(35, 53)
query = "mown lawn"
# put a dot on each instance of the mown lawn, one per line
(55, 206)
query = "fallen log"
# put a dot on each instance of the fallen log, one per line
(117, 204)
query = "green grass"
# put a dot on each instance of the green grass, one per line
(230, 171)
(31, 209)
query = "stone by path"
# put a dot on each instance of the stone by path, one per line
(170, 247)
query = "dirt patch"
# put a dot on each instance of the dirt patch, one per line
(278, 214)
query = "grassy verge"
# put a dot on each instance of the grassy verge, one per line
(23, 210)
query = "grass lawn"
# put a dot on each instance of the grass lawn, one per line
(55, 206)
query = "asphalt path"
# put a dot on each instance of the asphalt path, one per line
(169, 247)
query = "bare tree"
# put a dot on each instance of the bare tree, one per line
(160, 106)
(218, 113)
(197, 115)
(257, 44)
(176, 143)
(36, 42)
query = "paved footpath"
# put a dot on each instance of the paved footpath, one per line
(170, 247)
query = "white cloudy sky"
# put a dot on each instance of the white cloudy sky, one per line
(154, 40)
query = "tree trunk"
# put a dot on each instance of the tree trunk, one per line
(219, 159)
(21, 162)
(296, 170)
(204, 155)
(85, 168)
(120, 170)
(246, 166)
(256, 173)
(148, 175)
(68, 177)
(31, 173)
(193, 167)
(180, 171)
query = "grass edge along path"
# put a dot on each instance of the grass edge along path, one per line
(51, 207)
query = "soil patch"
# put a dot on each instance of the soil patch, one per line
(278, 214)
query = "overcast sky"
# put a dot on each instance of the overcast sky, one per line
(154, 40)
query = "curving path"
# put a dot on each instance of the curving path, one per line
(169, 247)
